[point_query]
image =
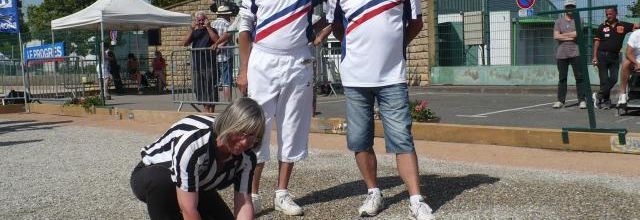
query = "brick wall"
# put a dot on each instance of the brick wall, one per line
(421, 51)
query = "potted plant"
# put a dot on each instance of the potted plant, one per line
(421, 112)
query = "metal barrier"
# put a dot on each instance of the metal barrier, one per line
(196, 76)
(60, 79)
(328, 77)
(11, 82)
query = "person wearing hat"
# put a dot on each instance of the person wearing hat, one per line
(564, 31)
(224, 57)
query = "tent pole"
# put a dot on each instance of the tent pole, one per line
(55, 72)
(101, 62)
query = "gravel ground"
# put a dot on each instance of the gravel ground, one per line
(53, 170)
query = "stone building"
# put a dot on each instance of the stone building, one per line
(420, 54)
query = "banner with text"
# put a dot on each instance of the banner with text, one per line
(44, 51)
(9, 16)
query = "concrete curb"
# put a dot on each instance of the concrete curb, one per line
(8, 109)
(472, 134)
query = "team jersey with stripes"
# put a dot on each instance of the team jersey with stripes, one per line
(373, 46)
(280, 24)
(189, 150)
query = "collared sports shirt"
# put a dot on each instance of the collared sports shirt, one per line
(189, 146)
(278, 24)
(373, 48)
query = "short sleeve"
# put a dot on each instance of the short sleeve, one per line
(247, 15)
(415, 10)
(556, 26)
(633, 39)
(184, 163)
(599, 34)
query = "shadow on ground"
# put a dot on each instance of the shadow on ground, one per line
(16, 126)
(437, 189)
(10, 143)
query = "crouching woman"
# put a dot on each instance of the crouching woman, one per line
(180, 174)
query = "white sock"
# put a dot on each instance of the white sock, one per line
(415, 199)
(373, 190)
(281, 192)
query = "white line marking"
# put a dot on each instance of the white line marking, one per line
(484, 115)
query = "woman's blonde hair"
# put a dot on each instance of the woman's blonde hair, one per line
(244, 115)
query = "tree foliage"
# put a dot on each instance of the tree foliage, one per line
(40, 17)
(635, 8)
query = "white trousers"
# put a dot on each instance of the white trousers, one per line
(282, 83)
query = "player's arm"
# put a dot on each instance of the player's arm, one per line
(245, 26)
(596, 45)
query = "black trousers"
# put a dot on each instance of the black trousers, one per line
(608, 67)
(563, 69)
(153, 185)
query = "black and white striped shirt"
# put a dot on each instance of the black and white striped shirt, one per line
(189, 146)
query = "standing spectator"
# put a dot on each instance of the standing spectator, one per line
(224, 58)
(201, 36)
(277, 65)
(114, 70)
(564, 31)
(180, 174)
(373, 68)
(159, 66)
(606, 54)
(106, 73)
(133, 70)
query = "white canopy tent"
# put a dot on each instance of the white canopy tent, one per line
(121, 15)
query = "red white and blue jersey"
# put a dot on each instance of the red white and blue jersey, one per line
(373, 46)
(280, 24)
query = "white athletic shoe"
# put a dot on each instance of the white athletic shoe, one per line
(284, 203)
(582, 105)
(257, 206)
(421, 211)
(557, 105)
(371, 205)
(622, 99)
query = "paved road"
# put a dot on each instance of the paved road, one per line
(58, 168)
(516, 107)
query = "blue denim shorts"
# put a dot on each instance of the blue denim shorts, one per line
(393, 102)
(224, 73)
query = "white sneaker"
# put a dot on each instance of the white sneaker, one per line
(421, 211)
(582, 105)
(557, 105)
(371, 205)
(622, 99)
(257, 206)
(284, 203)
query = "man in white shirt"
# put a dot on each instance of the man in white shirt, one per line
(374, 36)
(278, 74)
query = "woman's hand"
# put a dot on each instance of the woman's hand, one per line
(188, 202)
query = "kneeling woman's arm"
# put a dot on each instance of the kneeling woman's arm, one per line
(188, 202)
(243, 208)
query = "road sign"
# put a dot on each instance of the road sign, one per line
(525, 12)
(525, 4)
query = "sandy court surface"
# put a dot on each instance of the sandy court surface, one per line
(60, 167)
